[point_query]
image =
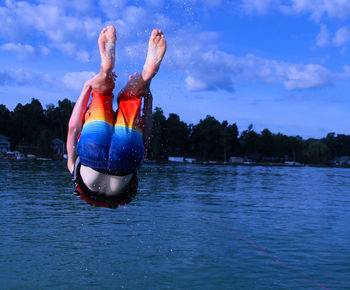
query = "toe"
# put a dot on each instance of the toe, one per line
(154, 33)
(157, 39)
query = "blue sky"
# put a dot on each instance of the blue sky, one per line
(278, 64)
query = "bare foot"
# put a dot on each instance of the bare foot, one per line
(106, 43)
(155, 54)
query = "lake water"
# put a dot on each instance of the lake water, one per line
(190, 227)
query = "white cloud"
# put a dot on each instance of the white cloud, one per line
(20, 77)
(76, 80)
(212, 2)
(112, 9)
(20, 49)
(298, 77)
(341, 37)
(84, 7)
(73, 26)
(292, 76)
(68, 48)
(135, 51)
(335, 8)
(137, 18)
(315, 8)
(24, 50)
(193, 84)
(195, 54)
(92, 27)
(346, 72)
(208, 68)
(322, 39)
(258, 6)
(49, 19)
(155, 3)
(44, 50)
(73, 50)
(83, 55)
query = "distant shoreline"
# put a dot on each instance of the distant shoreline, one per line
(252, 164)
(272, 164)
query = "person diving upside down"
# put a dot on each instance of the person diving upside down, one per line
(106, 148)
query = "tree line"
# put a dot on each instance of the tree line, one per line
(35, 126)
(208, 140)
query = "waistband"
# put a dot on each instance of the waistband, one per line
(99, 199)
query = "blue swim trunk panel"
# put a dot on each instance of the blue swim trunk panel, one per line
(117, 149)
(126, 151)
(94, 144)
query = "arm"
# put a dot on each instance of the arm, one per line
(76, 123)
(147, 119)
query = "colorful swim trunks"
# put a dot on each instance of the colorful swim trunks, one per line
(109, 142)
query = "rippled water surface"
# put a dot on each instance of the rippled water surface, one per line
(190, 227)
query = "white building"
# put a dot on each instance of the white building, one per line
(176, 159)
(342, 160)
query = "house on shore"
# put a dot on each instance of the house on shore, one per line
(342, 160)
(25, 147)
(176, 159)
(236, 160)
(58, 147)
(4, 144)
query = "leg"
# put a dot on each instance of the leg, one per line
(138, 84)
(155, 54)
(103, 82)
(94, 142)
(129, 122)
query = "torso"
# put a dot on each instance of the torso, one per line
(103, 183)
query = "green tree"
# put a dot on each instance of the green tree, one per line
(297, 149)
(342, 145)
(282, 147)
(58, 118)
(176, 136)
(207, 139)
(339, 145)
(235, 148)
(27, 122)
(267, 148)
(43, 143)
(331, 141)
(225, 139)
(251, 143)
(229, 140)
(157, 147)
(4, 120)
(317, 152)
